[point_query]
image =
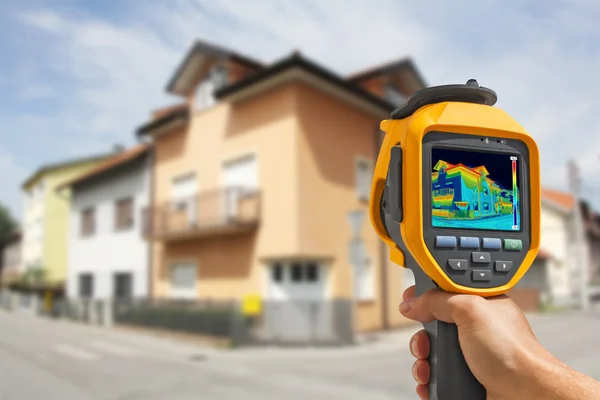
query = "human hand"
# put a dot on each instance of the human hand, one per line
(495, 337)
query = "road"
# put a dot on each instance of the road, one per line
(41, 358)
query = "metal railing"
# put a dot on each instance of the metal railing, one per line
(227, 210)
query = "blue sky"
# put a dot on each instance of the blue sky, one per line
(79, 76)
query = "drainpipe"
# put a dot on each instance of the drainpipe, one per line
(385, 320)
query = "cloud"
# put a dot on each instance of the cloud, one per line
(541, 60)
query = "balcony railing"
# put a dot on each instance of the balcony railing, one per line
(224, 211)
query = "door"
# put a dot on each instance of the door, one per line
(240, 176)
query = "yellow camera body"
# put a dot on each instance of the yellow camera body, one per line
(483, 128)
(456, 197)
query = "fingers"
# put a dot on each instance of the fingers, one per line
(423, 392)
(421, 372)
(438, 305)
(419, 345)
(408, 293)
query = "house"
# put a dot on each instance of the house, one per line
(11, 266)
(468, 193)
(554, 276)
(45, 221)
(261, 179)
(107, 256)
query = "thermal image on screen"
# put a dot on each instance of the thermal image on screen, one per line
(475, 190)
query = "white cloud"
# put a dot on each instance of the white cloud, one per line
(542, 61)
(37, 92)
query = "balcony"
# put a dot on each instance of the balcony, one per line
(227, 211)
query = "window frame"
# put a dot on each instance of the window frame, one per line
(359, 162)
(118, 226)
(82, 225)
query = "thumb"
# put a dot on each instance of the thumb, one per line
(438, 305)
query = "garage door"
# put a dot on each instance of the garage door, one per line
(296, 309)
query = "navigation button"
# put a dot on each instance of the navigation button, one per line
(492, 244)
(458, 265)
(445, 242)
(469, 242)
(481, 275)
(481, 258)
(503, 266)
(513, 244)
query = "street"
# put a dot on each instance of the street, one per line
(41, 358)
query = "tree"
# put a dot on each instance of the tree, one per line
(7, 222)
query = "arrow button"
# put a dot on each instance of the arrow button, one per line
(503, 266)
(458, 265)
(481, 275)
(481, 258)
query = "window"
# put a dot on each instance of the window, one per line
(86, 285)
(363, 278)
(88, 222)
(218, 77)
(363, 179)
(183, 280)
(124, 214)
(297, 272)
(205, 91)
(312, 272)
(277, 272)
(123, 285)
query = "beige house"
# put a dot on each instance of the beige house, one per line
(256, 174)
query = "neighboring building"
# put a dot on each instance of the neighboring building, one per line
(255, 175)
(45, 219)
(11, 266)
(107, 256)
(554, 274)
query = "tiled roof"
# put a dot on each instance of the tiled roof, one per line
(115, 161)
(563, 199)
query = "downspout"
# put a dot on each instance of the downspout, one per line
(385, 320)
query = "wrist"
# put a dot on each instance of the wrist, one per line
(543, 376)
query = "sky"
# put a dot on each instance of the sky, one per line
(77, 77)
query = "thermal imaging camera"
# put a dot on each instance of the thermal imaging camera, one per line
(456, 197)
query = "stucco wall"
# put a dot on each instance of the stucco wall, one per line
(265, 127)
(108, 251)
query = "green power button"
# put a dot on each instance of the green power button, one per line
(513, 244)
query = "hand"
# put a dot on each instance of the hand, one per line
(495, 337)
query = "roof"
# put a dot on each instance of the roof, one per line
(63, 164)
(161, 112)
(389, 67)
(200, 47)
(111, 163)
(562, 199)
(297, 61)
(178, 114)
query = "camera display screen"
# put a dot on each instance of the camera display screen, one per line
(475, 190)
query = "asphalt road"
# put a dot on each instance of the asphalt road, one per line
(46, 359)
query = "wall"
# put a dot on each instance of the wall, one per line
(554, 240)
(56, 220)
(265, 126)
(108, 251)
(333, 137)
(33, 223)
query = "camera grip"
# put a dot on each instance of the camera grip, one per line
(450, 378)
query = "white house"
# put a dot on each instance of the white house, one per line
(107, 255)
(555, 273)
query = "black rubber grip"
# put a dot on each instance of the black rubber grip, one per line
(451, 378)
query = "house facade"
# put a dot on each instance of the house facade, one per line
(107, 255)
(45, 216)
(261, 180)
